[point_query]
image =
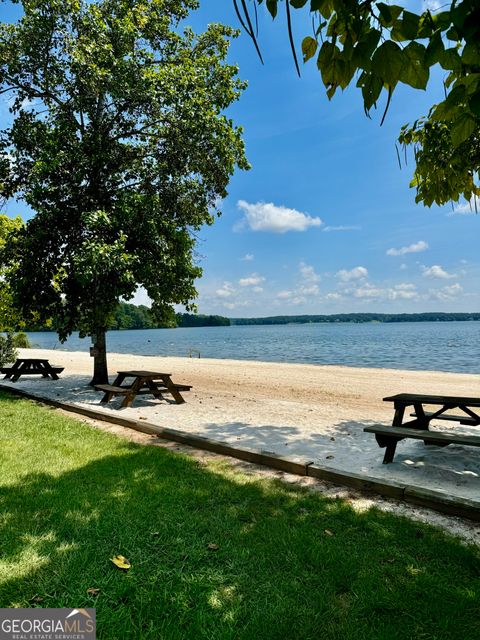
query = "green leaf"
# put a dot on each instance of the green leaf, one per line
(298, 4)
(371, 88)
(452, 34)
(325, 7)
(365, 47)
(327, 63)
(471, 54)
(426, 26)
(474, 104)
(452, 106)
(410, 25)
(460, 13)
(435, 49)
(387, 62)
(414, 72)
(272, 6)
(463, 128)
(450, 60)
(388, 13)
(309, 48)
(441, 20)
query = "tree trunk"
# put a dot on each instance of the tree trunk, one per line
(100, 369)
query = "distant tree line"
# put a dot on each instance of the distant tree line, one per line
(131, 316)
(359, 318)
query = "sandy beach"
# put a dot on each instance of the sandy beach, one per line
(309, 412)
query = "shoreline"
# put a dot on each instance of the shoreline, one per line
(309, 412)
(241, 361)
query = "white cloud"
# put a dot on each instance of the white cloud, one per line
(257, 289)
(368, 291)
(432, 5)
(284, 295)
(467, 208)
(447, 293)
(334, 296)
(353, 274)
(236, 305)
(266, 216)
(403, 266)
(312, 290)
(226, 291)
(416, 247)
(353, 227)
(248, 257)
(402, 291)
(252, 281)
(436, 271)
(308, 273)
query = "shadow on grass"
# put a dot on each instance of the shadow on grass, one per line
(289, 563)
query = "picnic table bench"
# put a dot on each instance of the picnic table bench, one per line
(31, 366)
(144, 382)
(419, 428)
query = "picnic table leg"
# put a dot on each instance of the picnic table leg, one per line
(390, 450)
(108, 395)
(173, 390)
(18, 372)
(132, 393)
(153, 386)
(422, 421)
(42, 370)
(389, 442)
(398, 416)
(52, 374)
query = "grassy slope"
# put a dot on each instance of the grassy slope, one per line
(72, 497)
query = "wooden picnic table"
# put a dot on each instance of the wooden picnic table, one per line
(31, 366)
(144, 382)
(419, 427)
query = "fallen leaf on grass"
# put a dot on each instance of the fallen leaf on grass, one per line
(36, 599)
(212, 546)
(92, 591)
(121, 562)
(327, 532)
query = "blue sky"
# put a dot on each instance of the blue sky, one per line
(325, 221)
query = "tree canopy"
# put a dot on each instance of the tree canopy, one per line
(9, 316)
(120, 145)
(379, 46)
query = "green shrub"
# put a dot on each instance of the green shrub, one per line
(21, 341)
(8, 352)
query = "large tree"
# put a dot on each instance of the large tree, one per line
(9, 317)
(119, 145)
(378, 46)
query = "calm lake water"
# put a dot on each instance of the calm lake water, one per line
(441, 346)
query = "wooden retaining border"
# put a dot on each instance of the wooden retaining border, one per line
(454, 506)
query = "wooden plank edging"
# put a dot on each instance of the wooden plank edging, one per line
(436, 500)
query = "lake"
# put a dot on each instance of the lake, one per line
(439, 346)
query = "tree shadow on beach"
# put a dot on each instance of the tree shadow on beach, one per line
(454, 469)
(217, 556)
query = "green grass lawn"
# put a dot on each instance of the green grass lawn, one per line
(71, 497)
